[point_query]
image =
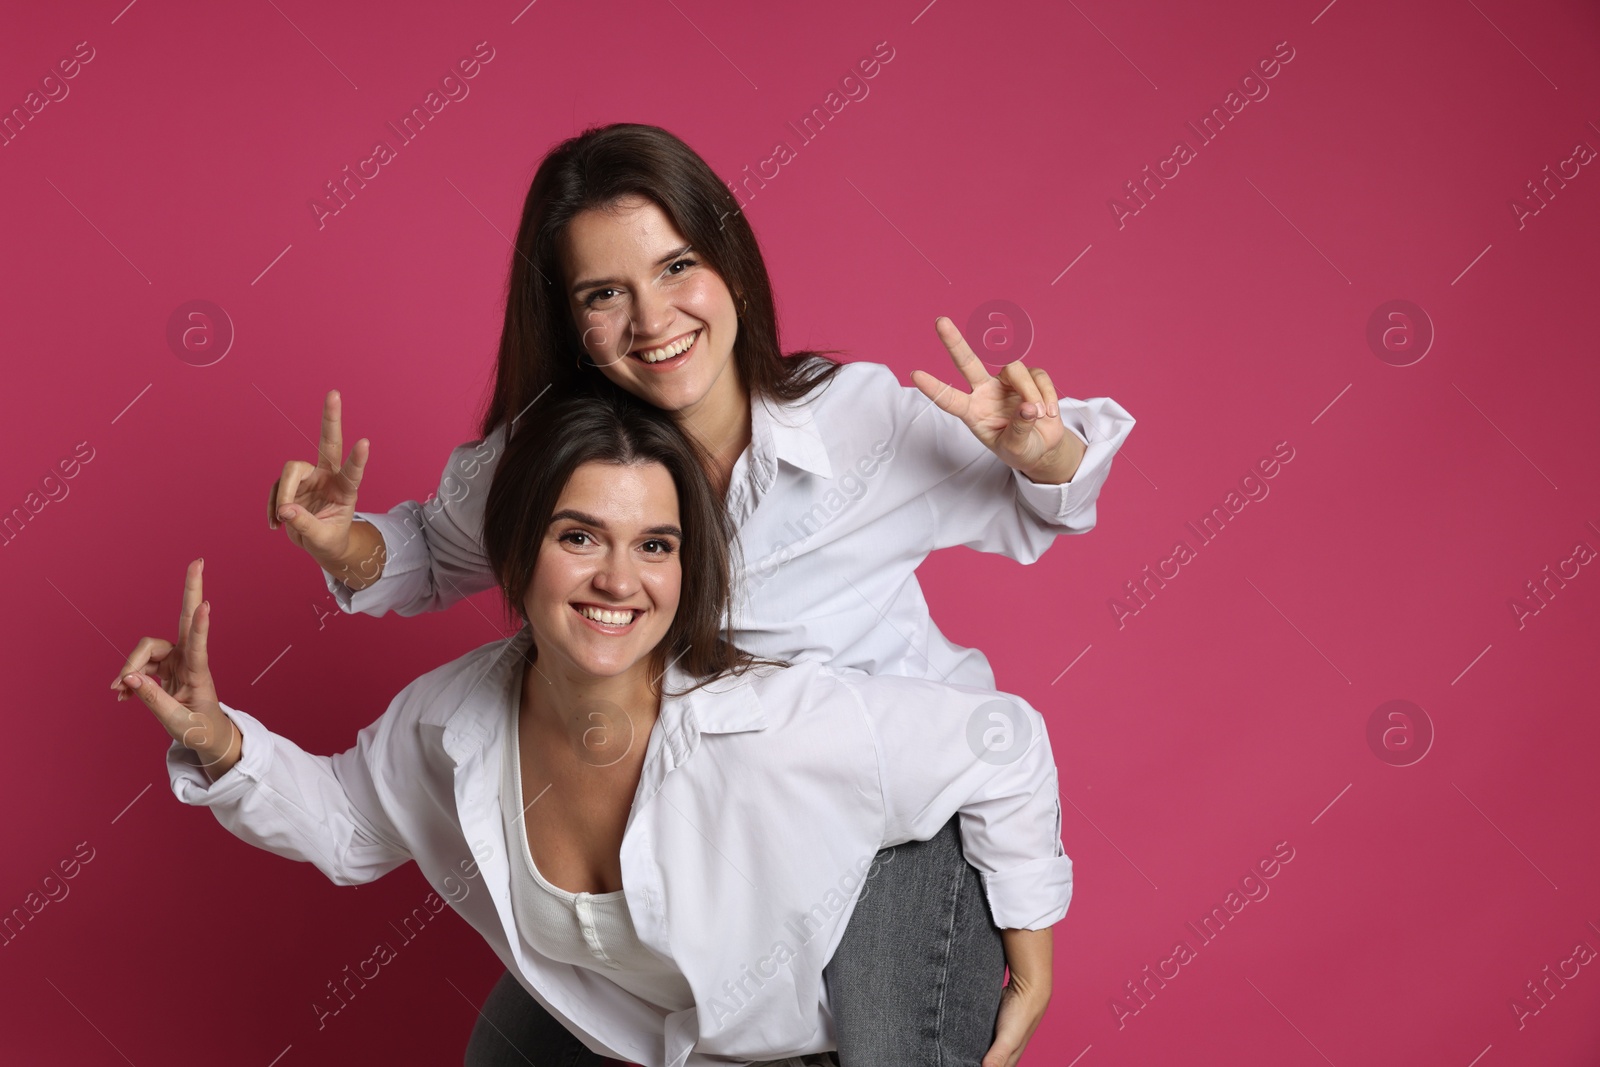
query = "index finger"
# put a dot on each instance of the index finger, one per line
(970, 366)
(330, 452)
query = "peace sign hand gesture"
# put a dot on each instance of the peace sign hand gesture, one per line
(1016, 415)
(180, 692)
(317, 503)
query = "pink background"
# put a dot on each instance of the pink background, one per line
(1230, 713)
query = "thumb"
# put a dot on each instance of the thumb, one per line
(305, 525)
(194, 729)
(171, 714)
(1021, 427)
(1000, 1053)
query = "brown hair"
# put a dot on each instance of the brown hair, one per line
(539, 343)
(540, 457)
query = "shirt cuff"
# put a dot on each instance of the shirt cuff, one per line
(1032, 896)
(189, 781)
(1102, 425)
(402, 554)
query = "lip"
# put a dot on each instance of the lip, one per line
(676, 361)
(606, 628)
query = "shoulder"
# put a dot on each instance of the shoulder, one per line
(863, 401)
(431, 697)
(806, 696)
(855, 383)
(928, 698)
(785, 682)
(813, 687)
(473, 457)
(860, 378)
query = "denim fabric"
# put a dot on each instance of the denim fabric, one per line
(915, 981)
(514, 1030)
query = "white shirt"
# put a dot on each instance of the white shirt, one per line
(592, 930)
(762, 801)
(837, 500)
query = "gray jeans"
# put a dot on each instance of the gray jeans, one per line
(915, 981)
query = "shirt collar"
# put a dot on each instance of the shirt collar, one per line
(469, 709)
(787, 432)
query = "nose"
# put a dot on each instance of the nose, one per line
(652, 313)
(618, 575)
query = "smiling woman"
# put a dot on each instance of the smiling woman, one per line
(585, 572)
(634, 273)
(724, 806)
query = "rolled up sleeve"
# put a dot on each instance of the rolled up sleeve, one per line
(1102, 425)
(323, 810)
(945, 750)
(981, 503)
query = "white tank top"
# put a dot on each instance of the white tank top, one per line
(592, 930)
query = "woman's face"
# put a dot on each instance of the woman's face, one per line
(653, 315)
(606, 583)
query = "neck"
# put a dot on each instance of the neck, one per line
(589, 707)
(720, 423)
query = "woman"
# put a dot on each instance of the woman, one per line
(704, 819)
(838, 481)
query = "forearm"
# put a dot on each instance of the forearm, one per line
(362, 564)
(233, 751)
(1029, 955)
(323, 810)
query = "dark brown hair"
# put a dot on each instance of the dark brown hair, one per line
(540, 457)
(540, 348)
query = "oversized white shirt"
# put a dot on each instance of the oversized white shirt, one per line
(762, 801)
(837, 500)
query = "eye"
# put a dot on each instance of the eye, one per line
(658, 546)
(589, 300)
(686, 261)
(575, 537)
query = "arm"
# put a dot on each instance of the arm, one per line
(982, 503)
(1022, 1004)
(265, 788)
(319, 809)
(415, 558)
(944, 749)
(1006, 464)
(422, 556)
(986, 755)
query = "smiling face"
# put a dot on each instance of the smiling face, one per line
(606, 583)
(652, 314)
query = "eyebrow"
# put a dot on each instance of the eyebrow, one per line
(663, 530)
(590, 283)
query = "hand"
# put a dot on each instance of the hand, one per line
(316, 504)
(1016, 415)
(180, 692)
(1025, 997)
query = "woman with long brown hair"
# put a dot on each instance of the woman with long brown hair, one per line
(633, 268)
(659, 834)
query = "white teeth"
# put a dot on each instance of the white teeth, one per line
(656, 355)
(609, 618)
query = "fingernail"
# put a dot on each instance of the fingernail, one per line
(283, 514)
